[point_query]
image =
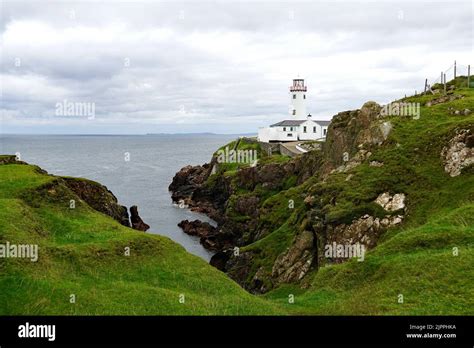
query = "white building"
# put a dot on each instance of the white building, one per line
(301, 126)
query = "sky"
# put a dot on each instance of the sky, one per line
(140, 67)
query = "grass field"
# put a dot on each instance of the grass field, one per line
(424, 267)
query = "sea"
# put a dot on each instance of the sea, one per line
(136, 168)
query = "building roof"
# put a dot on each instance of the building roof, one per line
(292, 123)
(323, 123)
(288, 123)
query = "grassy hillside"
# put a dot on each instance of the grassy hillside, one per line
(417, 263)
(417, 260)
(82, 252)
(428, 259)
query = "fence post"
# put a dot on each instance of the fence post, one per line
(441, 81)
(426, 85)
(444, 78)
(454, 69)
(469, 76)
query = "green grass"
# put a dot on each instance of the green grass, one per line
(415, 260)
(82, 251)
(418, 263)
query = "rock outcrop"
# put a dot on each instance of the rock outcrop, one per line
(99, 198)
(296, 261)
(444, 99)
(136, 220)
(458, 153)
(209, 235)
(365, 230)
(391, 203)
(351, 134)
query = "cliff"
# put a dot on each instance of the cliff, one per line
(375, 175)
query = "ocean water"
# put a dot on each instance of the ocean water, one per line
(136, 168)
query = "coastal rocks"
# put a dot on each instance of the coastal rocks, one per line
(247, 205)
(136, 220)
(296, 261)
(209, 235)
(220, 258)
(197, 228)
(391, 203)
(187, 180)
(99, 198)
(269, 176)
(458, 153)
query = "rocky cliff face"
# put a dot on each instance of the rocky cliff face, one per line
(351, 134)
(292, 203)
(99, 198)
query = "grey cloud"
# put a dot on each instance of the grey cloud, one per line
(210, 63)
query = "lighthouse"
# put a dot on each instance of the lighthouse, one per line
(298, 100)
(299, 126)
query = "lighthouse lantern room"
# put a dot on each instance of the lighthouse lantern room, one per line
(298, 99)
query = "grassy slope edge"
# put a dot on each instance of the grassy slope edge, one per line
(82, 252)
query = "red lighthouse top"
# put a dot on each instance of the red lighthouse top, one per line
(298, 86)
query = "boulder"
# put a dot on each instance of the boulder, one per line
(458, 153)
(391, 203)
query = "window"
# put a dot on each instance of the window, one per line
(294, 96)
(314, 129)
(325, 130)
(289, 135)
(304, 96)
(284, 129)
(304, 129)
(294, 112)
(291, 129)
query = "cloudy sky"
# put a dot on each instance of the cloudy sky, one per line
(214, 66)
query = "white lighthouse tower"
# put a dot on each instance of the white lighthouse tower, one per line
(298, 100)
